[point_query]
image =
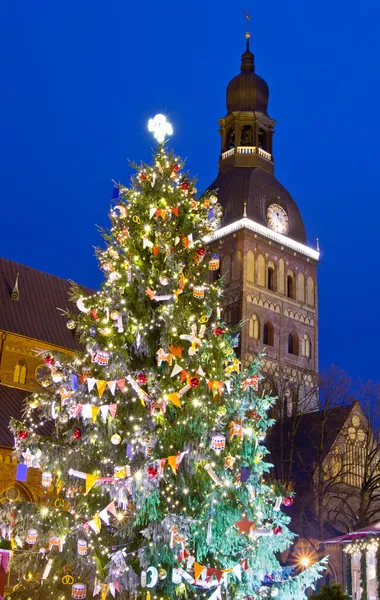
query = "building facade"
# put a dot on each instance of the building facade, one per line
(269, 270)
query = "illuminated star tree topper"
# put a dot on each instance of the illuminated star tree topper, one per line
(160, 127)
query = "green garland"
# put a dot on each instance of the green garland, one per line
(348, 574)
(363, 576)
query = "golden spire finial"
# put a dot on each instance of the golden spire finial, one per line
(248, 17)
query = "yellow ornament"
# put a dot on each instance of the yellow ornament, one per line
(136, 219)
(162, 574)
(204, 319)
(67, 580)
(229, 461)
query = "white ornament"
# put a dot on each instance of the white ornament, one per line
(115, 439)
(160, 128)
(81, 305)
(153, 577)
(176, 576)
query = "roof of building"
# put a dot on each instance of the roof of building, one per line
(247, 91)
(307, 438)
(35, 313)
(11, 405)
(258, 189)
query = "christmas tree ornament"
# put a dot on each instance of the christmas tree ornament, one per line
(162, 574)
(92, 330)
(277, 504)
(245, 474)
(244, 526)
(143, 176)
(81, 306)
(175, 168)
(218, 331)
(31, 537)
(82, 547)
(114, 314)
(34, 402)
(236, 429)
(57, 376)
(198, 292)
(78, 591)
(158, 407)
(115, 439)
(163, 281)
(77, 433)
(152, 472)
(229, 461)
(214, 262)
(212, 474)
(288, 501)
(47, 479)
(194, 382)
(277, 530)
(161, 128)
(141, 379)
(22, 434)
(218, 442)
(101, 357)
(152, 577)
(185, 186)
(49, 360)
(71, 324)
(199, 255)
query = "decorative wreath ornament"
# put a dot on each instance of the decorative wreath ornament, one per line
(67, 580)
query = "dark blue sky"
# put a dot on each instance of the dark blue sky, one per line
(79, 79)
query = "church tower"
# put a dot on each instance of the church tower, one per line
(269, 270)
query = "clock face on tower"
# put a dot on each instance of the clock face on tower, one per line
(277, 218)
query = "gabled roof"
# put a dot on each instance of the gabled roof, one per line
(11, 405)
(307, 438)
(35, 313)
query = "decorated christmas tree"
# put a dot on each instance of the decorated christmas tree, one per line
(151, 443)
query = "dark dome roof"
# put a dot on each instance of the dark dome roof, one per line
(247, 91)
(258, 189)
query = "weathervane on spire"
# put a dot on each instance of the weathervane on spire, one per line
(248, 17)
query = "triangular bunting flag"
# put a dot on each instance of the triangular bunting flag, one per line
(121, 384)
(176, 370)
(104, 516)
(97, 521)
(244, 564)
(86, 411)
(200, 372)
(94, 412)
(104, 411)
(175, 211)
(112, 387)
(174, 398)
(92, 524)
(198, 570)
(112, 508)
(91, 383)
(172, 461)
(237, 571)
(90, 481)
(228, 386)
(112, 589)
(105, 591)
(112, 410)
(218, 574)
(101, 385)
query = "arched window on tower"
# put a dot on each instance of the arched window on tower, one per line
(250, 266)
(230, 138)
(262, 139)
(306, 346)
(20, 372)
(254, 327)
(268, 334)
(310, 292)
(246, 136)
(301, 287)
(293, 344)
(261, 270)
(290, 285)
(271, 277)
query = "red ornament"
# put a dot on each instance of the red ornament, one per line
(141, 378)
(185, 185)
(194, 382)
(143, 176)
(218, 331)
(49, 360)
(176, 168)
(77, 434)
(23, 434)
(288, 501)
(152, 472)
(201, 251)
(277, 530)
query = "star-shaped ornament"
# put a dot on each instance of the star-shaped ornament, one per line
(229, 461)
(244, 525)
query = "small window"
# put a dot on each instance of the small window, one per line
(306, 346)
(20, 372)
(262, 139)
(270, 278)
(293, 344)
(254, 327)
(290, 287)
(268, 334)
(246, 138)
(230, 139)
